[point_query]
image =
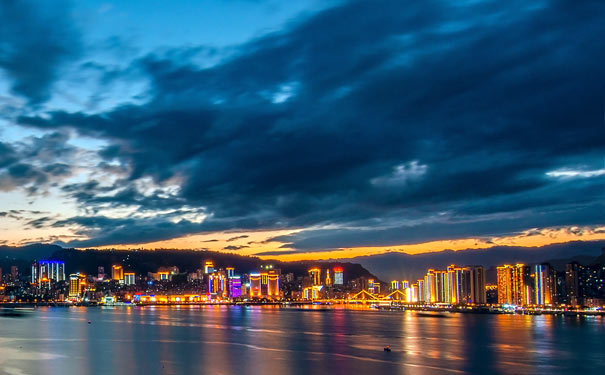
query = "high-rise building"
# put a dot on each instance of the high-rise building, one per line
(478, 293)
(230, 271)
(315, 274)
(48, 270)
(255, 285)
(208, 266)
(101, 273)
(235, 286)
(458, 286)
(404, 284)
(14, 273)
(574, 283)
(543, 284)
(117, 273)
(328, 278)
(273, 284)
(514, 285)
(77, 282)
(129, 278)
(338, 276)
(394, 285)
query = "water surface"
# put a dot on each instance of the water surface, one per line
(273, 340)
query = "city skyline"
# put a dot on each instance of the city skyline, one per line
(278, 130)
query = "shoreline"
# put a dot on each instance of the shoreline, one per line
(310, 306)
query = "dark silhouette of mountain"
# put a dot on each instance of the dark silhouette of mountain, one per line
(401, 266)
(143, 261)
(29, 252)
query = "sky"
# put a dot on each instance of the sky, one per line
(302, 129)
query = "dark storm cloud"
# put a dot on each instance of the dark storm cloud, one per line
(405, 119)
(36, 162)
(36, 39)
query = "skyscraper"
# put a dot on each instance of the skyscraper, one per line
(129, 278)
(574, 283)
(77, 282)
(315, 274)
(543, 284)
(514, 285)
(478, 295)
(338, 276)
(117, 273)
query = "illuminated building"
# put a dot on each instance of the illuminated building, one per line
(255, 285)
(117, 273)
(421, 292)
(217, 283)
(208, 267)
(417, 292)
(328, 279)
(315, 274)
(46, 270)
(513, 285)
(230, 271)
(371, 287)
(338, 276)
(574, 283)
(430, 287)
(542, 285)
(35, 276)
(235, 286)
(272, 284)
(505, 284)
(101, 272)
(395, 285)
(478, 295)
(404, 284)
(129, 278)
(77, 282)
(312, 292)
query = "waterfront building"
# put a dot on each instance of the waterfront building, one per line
(543, 285)
(328, 279)
(514, 285)
(218, 284)
(235, 286)
(394, 285)
(404, 285)
(77, 283)
(255, 285)
(478, 291)
(574, 283)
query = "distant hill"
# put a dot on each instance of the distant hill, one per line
(29, 252)
(403, 266)
(143, 261)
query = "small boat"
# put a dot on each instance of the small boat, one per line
(387, 348)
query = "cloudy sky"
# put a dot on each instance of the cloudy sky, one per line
(302, 128)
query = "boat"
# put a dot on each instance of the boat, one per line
(387, 348)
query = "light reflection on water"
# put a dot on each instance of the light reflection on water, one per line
(273, 340)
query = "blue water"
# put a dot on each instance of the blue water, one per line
(273, 340)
